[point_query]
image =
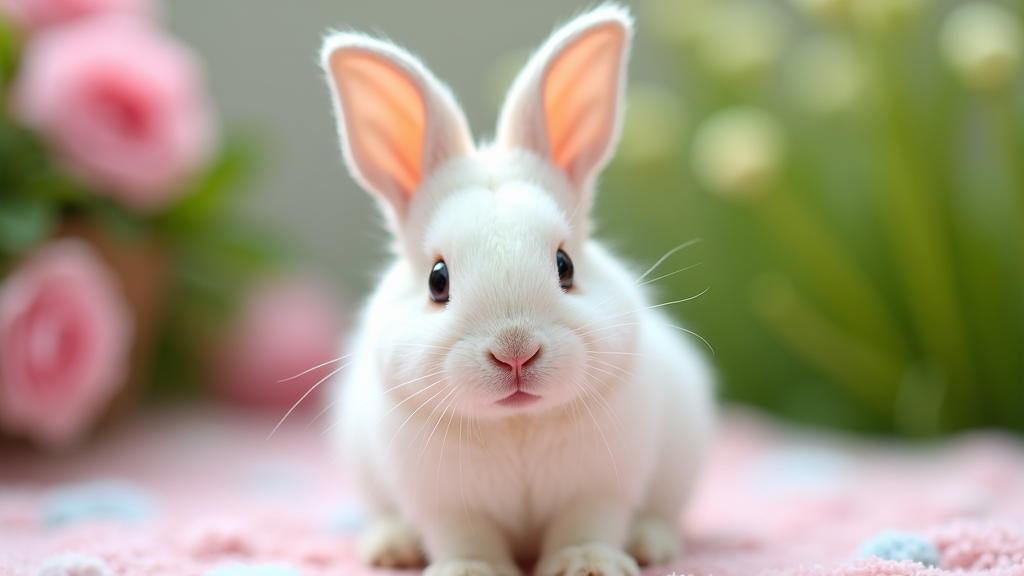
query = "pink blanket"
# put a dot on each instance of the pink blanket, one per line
(201, 492)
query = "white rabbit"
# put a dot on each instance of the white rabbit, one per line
(512, 395)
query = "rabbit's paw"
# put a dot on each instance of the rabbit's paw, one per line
(470, 568)
(390, 543)
(592, 559)
(652, 541)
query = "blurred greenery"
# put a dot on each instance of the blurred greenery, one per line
(855, 170)
(215, 256)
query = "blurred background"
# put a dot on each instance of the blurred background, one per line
(853, 170)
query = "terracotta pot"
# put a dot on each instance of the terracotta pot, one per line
(141, 264)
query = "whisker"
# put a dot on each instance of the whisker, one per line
(617, 353)
(693, 333)
(409, 417)
(589, 332)
(610, 388)
(595, 424)
(612, 374)
(704, 291)
(610, 365)
(483, 441)
(364, 404)
(591, 342)
(663, 276)
(308, 392)
(418, 345)
(667, 255)
(426, 442)
(319, 414)
(395, 407)
(317, 367)
(332, 404)
(462, 481)
(579, 416)
(607, 407)
(680, 328)
(406, 383)
(374, 349)
(440, 457)
(649, 270)
(406, 421)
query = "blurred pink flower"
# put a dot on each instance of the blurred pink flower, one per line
(284, 327)
(36, 14)
(65, 334)
(122, 104)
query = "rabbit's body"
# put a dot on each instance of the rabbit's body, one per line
(504, 404)
(637, 439)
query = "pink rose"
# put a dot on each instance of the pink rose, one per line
(65, 333)
(36, 14)
(121, 103)
(284, 327)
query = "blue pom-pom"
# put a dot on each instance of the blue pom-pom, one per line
(274, 481)
(242, 570)
(346, 517)
(893, 545)
(799, 469)
(86, 501)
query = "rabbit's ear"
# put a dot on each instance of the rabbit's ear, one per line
(566, 104)
(397, 122)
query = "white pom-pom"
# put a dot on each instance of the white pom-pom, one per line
(982, 42)
(738, 152)
(825, 75)
(742, 40)
(74, 564)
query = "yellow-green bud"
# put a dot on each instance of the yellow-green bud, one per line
(887, 15)
(982, 43)
(653, 123)
(831, 10)
(676, 21)
(825, 75)
(742, 39)
(738, 152)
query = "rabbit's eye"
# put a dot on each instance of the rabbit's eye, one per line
(564, 269)
(439, 282)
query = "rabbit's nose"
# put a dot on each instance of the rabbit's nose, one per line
(515, 360)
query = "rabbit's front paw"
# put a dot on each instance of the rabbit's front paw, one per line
(470, 568)
(592, 559)
(390, 543)
(652, 541)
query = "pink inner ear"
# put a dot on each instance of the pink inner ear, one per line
(580, 95)
(385, 120)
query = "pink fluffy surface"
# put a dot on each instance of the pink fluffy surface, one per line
(773, 500)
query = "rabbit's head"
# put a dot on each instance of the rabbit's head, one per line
(499, 304)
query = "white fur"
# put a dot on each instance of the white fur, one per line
(605, 458)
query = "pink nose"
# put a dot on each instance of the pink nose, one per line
(516, 361)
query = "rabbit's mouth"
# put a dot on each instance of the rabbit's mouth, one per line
(518, 399)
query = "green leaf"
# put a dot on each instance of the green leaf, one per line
(116, 220)
(177, 371)
(9, 49)
(211, 195)
(251, 249)
(24, 222)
